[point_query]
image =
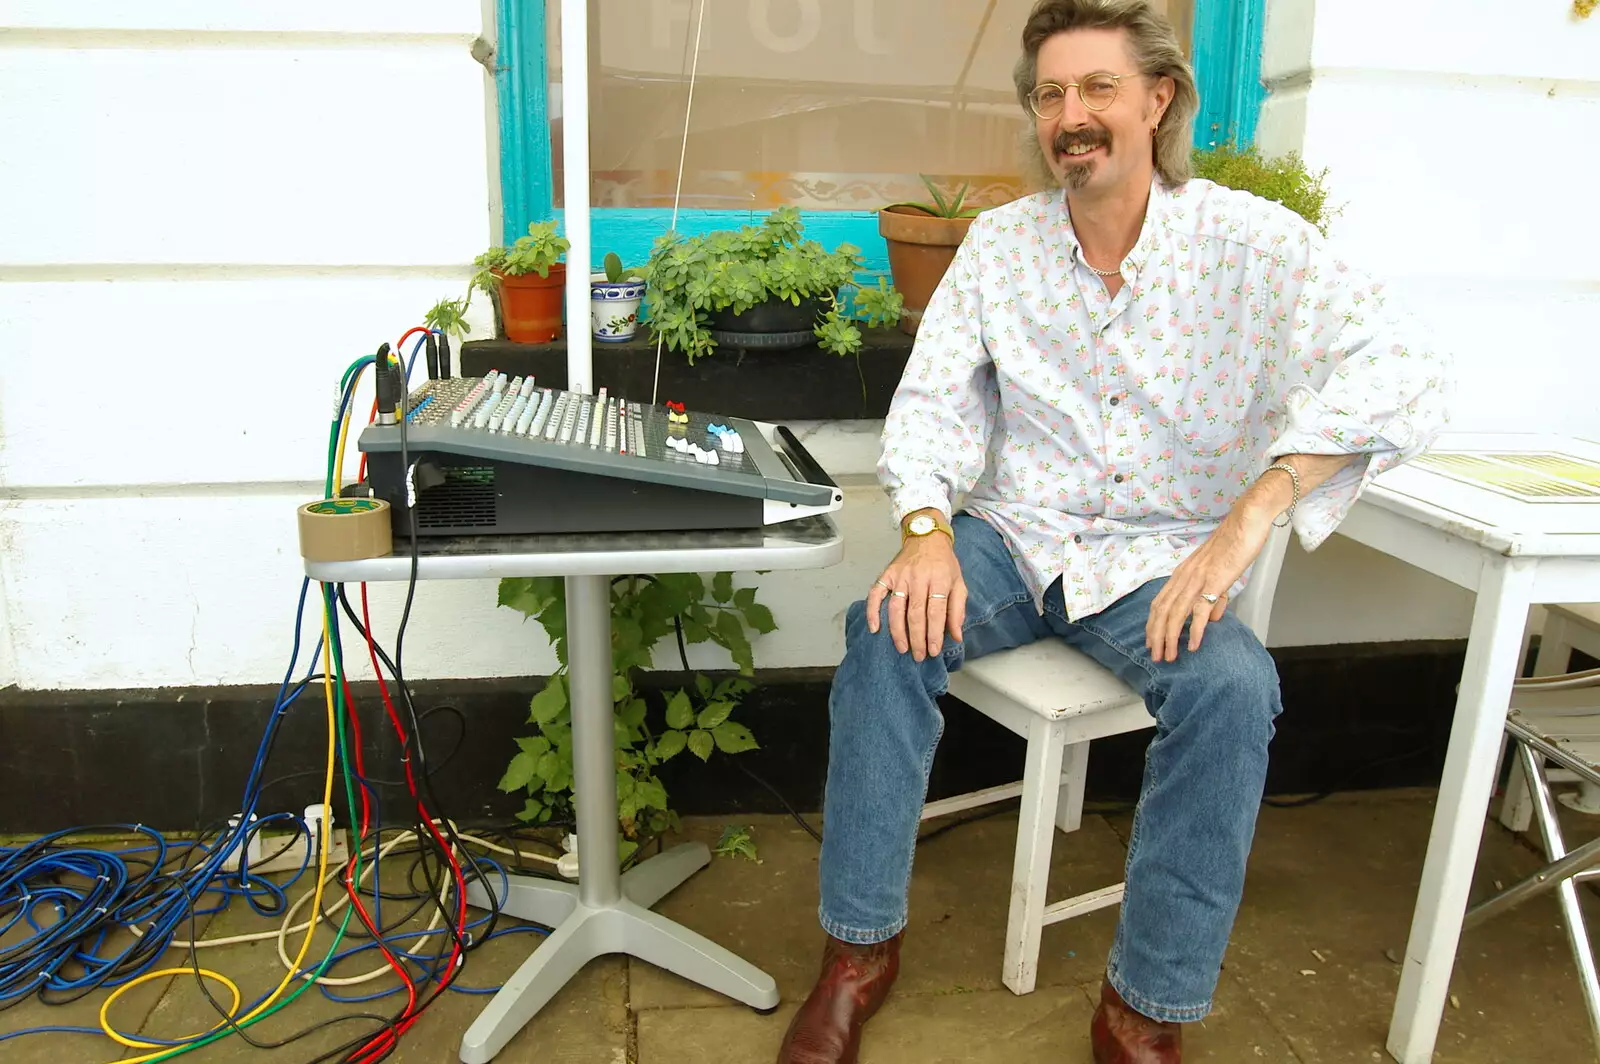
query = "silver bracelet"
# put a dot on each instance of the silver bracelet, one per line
(1294, 475)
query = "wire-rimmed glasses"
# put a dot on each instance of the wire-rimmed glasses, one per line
(1097, 91)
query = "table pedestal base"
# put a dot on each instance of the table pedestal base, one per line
(584, 932)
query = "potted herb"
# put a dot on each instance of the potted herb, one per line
(449, 317)
(527, 282)
(760, 287)
(922, 239)
(614, 296)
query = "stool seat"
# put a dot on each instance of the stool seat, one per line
(1047, 678)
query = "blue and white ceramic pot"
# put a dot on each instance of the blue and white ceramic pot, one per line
(614, 307)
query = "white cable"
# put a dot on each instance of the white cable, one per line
(377, 853)
(683, 155)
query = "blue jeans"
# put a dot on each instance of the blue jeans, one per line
(1204, 772)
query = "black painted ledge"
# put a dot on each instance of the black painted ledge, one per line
(805, 384)
(1356, 717)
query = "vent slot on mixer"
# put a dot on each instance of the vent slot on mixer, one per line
(465, 499)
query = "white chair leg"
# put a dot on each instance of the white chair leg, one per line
(1555, 655)
(1074, 773)
(1030, 873)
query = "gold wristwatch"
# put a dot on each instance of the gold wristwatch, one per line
(925, 523)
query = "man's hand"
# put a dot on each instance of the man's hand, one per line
(1211, 570)
(1214, 567)
(927, 596)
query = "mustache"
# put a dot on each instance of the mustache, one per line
(1091, 138)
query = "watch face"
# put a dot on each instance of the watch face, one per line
(922, 525)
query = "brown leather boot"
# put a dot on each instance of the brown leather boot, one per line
(853, 984)
(1122, 1036)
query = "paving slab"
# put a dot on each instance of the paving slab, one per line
(960, 891)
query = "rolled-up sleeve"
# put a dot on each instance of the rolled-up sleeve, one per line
(1358, 377)
(936, 434)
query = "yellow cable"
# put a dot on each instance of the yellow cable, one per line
(316, 903)
(205, 972)
(344, 432)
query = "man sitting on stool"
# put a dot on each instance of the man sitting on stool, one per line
(1128, 379)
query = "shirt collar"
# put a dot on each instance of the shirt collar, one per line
(1156, 215)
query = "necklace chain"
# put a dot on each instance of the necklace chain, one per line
(1093, 269)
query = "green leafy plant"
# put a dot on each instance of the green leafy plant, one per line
(690, 278)
(952, 206)
(1283, 180)
(449, 316)
(644, 610)
(536, 252)
(616, 272)
(736, 842)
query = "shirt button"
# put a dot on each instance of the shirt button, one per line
(1077, 539)
(1119, 478)
(1115, 400)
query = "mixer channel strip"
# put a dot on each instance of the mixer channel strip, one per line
(518, 408)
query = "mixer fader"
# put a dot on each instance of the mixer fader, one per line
(502, 454)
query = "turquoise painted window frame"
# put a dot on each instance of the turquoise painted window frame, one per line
(1227, 58)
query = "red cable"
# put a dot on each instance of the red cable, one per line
(385, 1040)
(350, 885)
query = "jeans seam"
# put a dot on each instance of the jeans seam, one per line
(1133, 659)
(1153, 1009)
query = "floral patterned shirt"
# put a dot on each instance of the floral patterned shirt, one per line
(1106, 437)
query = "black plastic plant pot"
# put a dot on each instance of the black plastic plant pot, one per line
(774, 325)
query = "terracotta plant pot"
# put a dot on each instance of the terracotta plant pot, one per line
(531, 305)
(921, 248)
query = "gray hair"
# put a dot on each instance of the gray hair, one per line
(1156, 52)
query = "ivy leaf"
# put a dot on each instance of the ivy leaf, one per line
(722, 587)
(651, 794)
(633, 713)
(625, 848)
(759, 617)
(556, 770)
(695, 631)
(620, 687)
(680, 712)
(734, 738)
(702, 683)
(535, 745)
(733, 687)
(670, 744)
(730, 633)
(744, 598)
(626, 784)
(549, 702)
(701, 744)
(519, 773)
(530, 596)
(533, 809)
(714, 714)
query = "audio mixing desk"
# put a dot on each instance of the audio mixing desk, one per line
(611, 490)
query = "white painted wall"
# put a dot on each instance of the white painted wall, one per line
(216, 207)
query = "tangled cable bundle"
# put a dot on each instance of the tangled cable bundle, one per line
(77, 918)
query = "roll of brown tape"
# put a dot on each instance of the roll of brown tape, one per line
(345, 530)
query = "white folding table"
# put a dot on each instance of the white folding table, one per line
(606, 911)
(1515, 519)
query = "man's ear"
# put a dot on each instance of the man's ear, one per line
(1163, 93)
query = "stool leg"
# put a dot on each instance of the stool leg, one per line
(1030, 873)
(1555, 848)
(1074, 773)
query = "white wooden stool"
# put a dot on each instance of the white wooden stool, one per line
(1060, 700)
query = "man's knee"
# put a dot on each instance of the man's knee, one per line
(1231, 680)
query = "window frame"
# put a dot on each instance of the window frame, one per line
(1226, 51)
